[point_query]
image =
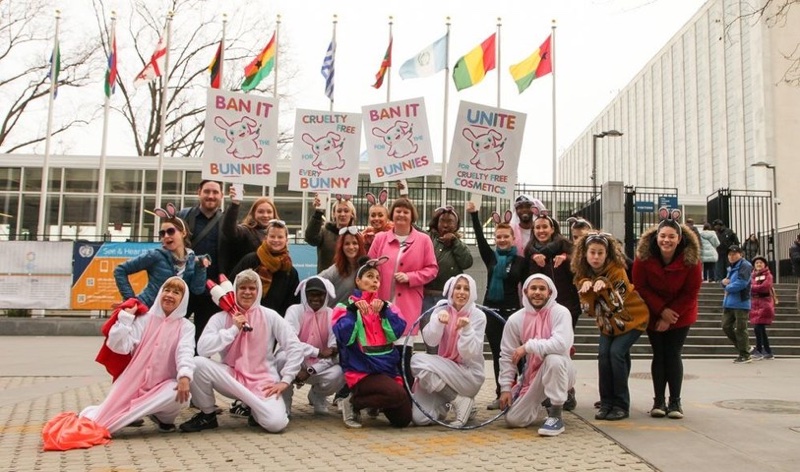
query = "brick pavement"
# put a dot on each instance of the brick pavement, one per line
(310, 442)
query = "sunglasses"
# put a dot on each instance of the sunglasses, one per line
(167, 232)
(348, 229)
(279, 223)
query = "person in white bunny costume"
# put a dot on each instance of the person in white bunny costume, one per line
(541, 333)
(311, 321)
(455, 373)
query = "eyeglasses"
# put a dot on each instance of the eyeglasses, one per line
(279, 223)
(348, 229)
(167, 232)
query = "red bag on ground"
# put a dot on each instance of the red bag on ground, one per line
(116, 363)
(68, 431)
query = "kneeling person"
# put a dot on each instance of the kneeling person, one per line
(311, 321)
(541, 333)
(455, 373)
(249, 370)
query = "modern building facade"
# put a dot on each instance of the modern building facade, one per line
(712, 103)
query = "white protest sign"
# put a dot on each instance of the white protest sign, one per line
(241, 138)
(325, 152)
(398, 140)
(485, 153)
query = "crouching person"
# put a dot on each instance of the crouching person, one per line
(541, 334)
(311, 321)
(248, 370)
(455, 373)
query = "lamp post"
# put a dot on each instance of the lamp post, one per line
(775, 204)
(613, 133)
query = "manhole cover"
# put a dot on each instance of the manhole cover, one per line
(647, 376)
(761, 406)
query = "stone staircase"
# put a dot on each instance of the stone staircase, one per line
(706, 339)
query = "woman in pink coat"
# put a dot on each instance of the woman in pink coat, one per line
(411, 265)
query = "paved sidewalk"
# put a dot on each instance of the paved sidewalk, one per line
(40, 377)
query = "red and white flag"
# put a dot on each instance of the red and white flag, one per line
(155, 67)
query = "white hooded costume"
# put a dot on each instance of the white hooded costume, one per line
(549, 371)
(326, 376)
(163, 352)
(459, 362)
(248, 364)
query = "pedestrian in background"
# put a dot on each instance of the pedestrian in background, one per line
(736, 304)
(762, 307)
(709, 243)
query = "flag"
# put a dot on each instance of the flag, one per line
(216, 67)
(327, 69)
(534, 66)
(429, 61)
(111, 71)
(261, 66)
(55, 67)
(471, 68)
(155, 67)
(385, 65)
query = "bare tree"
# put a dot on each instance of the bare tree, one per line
(774, 14)
(193, 45)
(26, 38)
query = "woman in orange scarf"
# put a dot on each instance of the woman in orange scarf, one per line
(272, 262)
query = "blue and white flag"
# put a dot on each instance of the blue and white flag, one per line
(327, 69)
(429, 61)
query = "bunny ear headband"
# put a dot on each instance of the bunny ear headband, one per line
(342, 198)
(169, 212)
(670, 218)
(380, 200)
(505, 219)
(574, 222)
(371, 264)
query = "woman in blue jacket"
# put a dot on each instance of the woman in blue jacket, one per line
(174, 258)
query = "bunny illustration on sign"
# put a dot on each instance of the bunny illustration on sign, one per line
(487, 148)
(243, 137)
(399, 138)
(327, 151)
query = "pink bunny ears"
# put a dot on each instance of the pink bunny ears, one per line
(342, 198)
(506, 218)
(170, 211)
(380, 200)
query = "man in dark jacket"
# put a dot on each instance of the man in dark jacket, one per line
(727, 238)
(794, 255)
(204, 222)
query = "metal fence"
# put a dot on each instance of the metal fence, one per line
(641, 211)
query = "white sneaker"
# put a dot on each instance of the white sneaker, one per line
(463, 408)
(350, 417)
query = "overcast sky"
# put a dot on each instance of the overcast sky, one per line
(600, 46)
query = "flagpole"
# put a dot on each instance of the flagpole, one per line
(163, 113)
(499, 22)
(46, 165)
(101, 182)
(333, 94)
(389, 69)
(222, 52)
(553, 66)
(446, 104)
(275, 67)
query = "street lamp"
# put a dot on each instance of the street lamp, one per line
(775, 204)
(613, 133)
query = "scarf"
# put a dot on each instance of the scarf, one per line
(269, 264)
(500, 273)
(535, 325)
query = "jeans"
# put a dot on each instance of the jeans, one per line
(494, 334)
(667, 366)
(614, 367)
(722, 266)
(734, 324)
(710, 271)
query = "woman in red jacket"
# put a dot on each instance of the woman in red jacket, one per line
(667, 273)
